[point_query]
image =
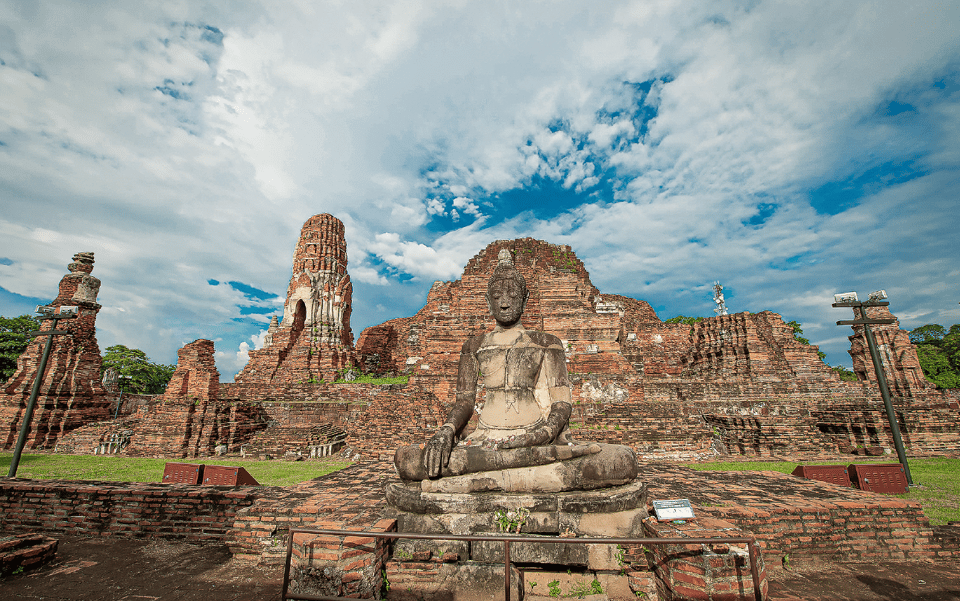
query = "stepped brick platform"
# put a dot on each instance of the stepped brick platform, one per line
(350, 499)
(25, 551)
(788, 515)
(791, 515)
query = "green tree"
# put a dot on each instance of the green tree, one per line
(939, 352)
(798, 336)
(684, 319)
(13, 341)
(932, 333)
(951, 345)
(937, 366)
(845, 374)
(146, 377)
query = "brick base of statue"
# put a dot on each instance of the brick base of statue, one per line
(617, 511)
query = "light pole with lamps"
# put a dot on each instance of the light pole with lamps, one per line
(849, 299)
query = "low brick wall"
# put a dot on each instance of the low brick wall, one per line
(698, 571)
(170, 511)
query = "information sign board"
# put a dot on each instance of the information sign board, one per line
(673, 509)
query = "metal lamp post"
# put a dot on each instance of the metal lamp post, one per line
(849, 299)
(46, 312)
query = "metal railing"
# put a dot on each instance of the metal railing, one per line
(751, 543)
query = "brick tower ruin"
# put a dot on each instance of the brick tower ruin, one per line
(313, 342)
(71, 394)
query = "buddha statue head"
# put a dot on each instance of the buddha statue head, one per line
(507, 291)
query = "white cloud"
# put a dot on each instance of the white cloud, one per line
(134, 133)
(466, 205)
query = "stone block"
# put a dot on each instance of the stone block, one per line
(538, 553)
(466, 581)
(438, 550)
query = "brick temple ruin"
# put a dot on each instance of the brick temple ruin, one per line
(731, 384)
(736, 384)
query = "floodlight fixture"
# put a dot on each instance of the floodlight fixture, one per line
(845, 297)
(879, 295)
(69, 311)
(45, 309)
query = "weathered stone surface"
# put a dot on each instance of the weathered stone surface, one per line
(611, 512)
(71, 393)
(470, 581)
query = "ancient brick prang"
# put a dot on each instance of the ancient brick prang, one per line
(313, 341)
(562, 301)
(71, 393)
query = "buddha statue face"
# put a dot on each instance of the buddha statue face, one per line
(507, 297)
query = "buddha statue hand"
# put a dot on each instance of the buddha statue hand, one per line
(436, 456)
(545, 434)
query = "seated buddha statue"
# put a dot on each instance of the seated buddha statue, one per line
(522, 442)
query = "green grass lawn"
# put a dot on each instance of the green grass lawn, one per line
(937, 480)
(138, 469)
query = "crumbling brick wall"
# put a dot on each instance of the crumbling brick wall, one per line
(196, 376)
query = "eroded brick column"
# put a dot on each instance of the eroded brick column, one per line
(71, 393)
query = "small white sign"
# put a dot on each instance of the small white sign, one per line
(674, 509)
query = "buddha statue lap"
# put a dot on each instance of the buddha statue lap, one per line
(523, 441)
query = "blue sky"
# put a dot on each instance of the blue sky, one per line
(790, 151)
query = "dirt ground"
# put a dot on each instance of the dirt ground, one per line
(813, 578)
(114, 569)
(104, 569)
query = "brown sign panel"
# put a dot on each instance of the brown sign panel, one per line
(226, 475)
(182, 473)
(879, 477)
(834, 474)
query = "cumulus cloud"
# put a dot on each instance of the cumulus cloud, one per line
(770, 146)
(414, 258)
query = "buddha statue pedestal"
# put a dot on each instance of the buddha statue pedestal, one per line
(617, 511)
